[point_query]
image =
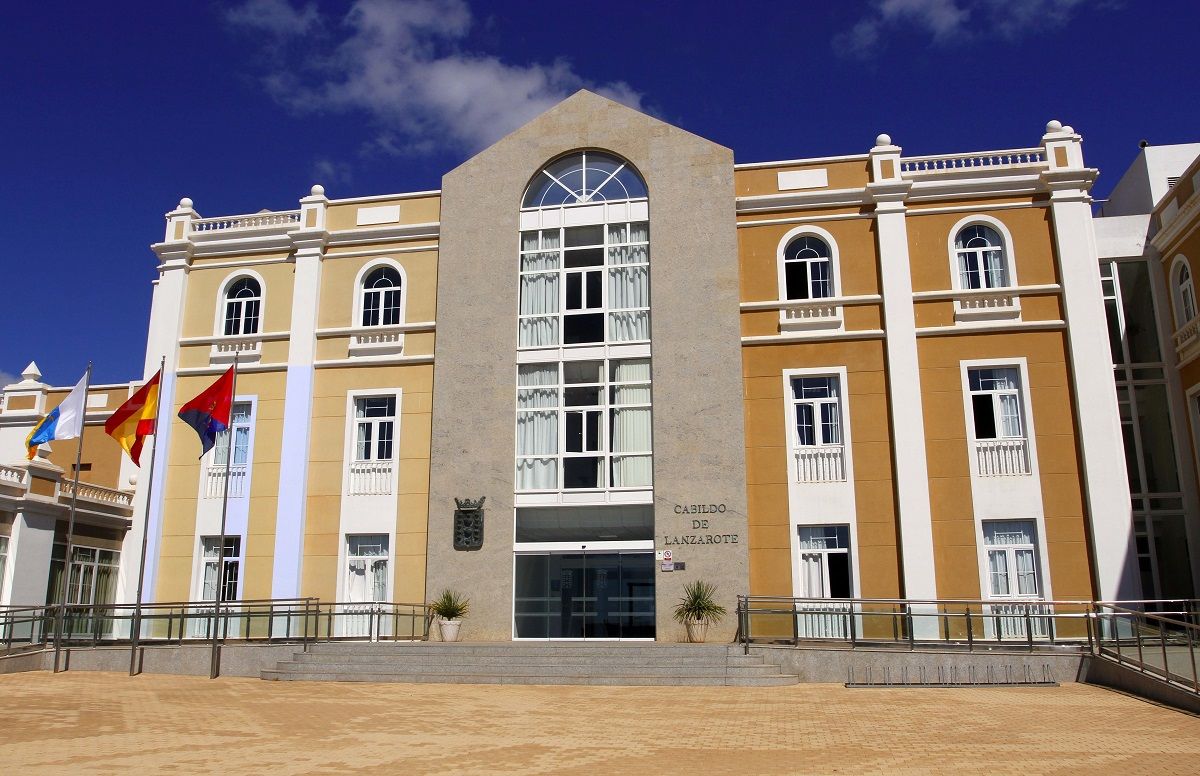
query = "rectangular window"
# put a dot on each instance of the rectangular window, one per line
(584, 424)
(366, 568)
(1011, 558)
(229, 576)
(996, 402)
(564, 295)
(825, 561)
(375, 428)
(93, 577)
(239, 428)
(818, 413)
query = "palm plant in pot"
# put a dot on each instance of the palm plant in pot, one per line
(697, 609)
(449, 608)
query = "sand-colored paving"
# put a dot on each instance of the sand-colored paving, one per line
(109, 723)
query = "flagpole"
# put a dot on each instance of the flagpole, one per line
(214, 669)
(87, 384)
(136, 634)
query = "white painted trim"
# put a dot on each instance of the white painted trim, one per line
(805, 219)
(385, 197)
(382, 251)
(1180, 261)
(359, 291)
(840, 505)
(991, 327)
(799, 200)
(1010, 255)
(773, 339)
(776, 304)
(222, 368)
(268, 336)
(835, 264)
(350, 438)
(389, 233)
(1038, 290)
(798, 162)
(533, 548)
(373, 361)
(984, 498)
(930, 211)
(346, 331)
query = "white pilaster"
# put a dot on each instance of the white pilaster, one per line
(888, 191)
(309, 244)
(166, 327)
(1098, 423)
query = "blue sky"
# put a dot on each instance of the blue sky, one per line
(112, 112)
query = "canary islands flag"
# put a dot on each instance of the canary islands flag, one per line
(64, 421)
(208, 413)
(135, 419)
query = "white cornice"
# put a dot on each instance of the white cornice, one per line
(804, 219)
(212, 340)
(222, 368)
(959, 293)
(990, 327)
(346, 331)
(385, 197)
(389, 233)
(777, 304)
(793, 200)
(798, 162)
(1182, 225)
(814, 336)
(373, 361)
(381, 251)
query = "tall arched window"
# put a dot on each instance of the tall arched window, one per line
(981, 259)
(807, 268)
(1185, 307)
(243, 306)
(381, 297)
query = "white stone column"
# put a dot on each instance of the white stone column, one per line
(309, 245)
(911, 469)
(166, 327)
(1098, 420)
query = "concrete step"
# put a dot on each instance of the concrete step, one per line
(541, 669)
(540, 659)
(624, 681)
(622, 649)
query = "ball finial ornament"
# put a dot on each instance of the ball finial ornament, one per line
(883, 139)
(1054, 125)
(318, 190)
(185, 203)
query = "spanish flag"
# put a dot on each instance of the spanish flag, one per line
(135, 419)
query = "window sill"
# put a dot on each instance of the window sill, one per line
(381, 341)
(247, 349)
(987, 305)
(810, 315)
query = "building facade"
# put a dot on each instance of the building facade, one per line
(864, 376)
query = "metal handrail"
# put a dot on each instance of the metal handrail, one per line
(1153, 635)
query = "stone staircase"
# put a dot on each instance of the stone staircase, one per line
(606, 663)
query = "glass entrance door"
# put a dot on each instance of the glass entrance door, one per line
(584, 595)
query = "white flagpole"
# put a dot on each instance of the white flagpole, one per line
(62, 603)
(136, 633)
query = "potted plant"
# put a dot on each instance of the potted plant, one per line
(449, 608)
(697, 609)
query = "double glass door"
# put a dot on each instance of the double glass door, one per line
(580, 595)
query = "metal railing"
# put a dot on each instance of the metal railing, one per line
(303, 621)
(1160, 644)
(883, 621)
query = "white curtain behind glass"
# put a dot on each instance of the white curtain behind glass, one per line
(631, 426)
(629, 283)
(811, 575)
(539, 292)
(537, 426)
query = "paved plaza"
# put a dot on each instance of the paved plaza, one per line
(110, 723)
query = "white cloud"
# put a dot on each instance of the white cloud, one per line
(948, 21)
(7, 378)
(328, 171)
(404, 65)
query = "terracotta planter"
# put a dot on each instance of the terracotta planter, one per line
(448, 629)
(696, 631)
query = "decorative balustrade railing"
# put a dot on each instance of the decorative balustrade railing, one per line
(12, 475)
(99, 493)
(370, 478)
(245, 348)
(1187, 335)
(1017, 157)
(248, 221)
(810, 312)
(987, 301)
(214, 480)
(823, 463)
(1002, 457)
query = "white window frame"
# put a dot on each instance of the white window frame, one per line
(812, 313)
(348, 559)
(836, 464)
(387, 477)
(247, 347)
(1015, 455)
(1010, 553)
(824, 552)
(607, 409)
(984, 304)
(202, 562)
(212, 479)
(1183, 292)
(380, 339)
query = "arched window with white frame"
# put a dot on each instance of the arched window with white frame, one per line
(1185, 293)
(382, 297)
(807, 268)
(243, 307)
(982, 258)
